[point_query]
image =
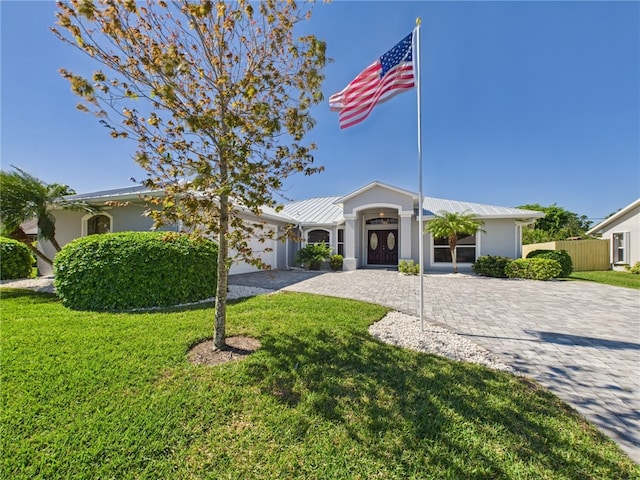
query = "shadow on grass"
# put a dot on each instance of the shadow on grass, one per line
(34, 297)
(479, 419)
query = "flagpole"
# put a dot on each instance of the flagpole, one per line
(420, 196)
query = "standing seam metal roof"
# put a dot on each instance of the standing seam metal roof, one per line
(321, 211)
(435, 205)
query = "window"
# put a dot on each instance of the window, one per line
(98, 224)
(318, 236)
(382, 221)
(619, 241)
(465, 249)
(341, 241)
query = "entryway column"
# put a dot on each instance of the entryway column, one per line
(405, 235)
(349, 262)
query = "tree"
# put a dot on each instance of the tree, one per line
(217, 97)
(451, 224)
(25, 197)
(557, 224)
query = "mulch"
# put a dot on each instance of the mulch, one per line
(237, 348)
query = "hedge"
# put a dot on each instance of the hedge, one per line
(15, 259)
(534, 268)
(130, 270)
(491, 266)
(560, 256)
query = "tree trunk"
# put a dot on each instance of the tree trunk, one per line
(219, 333)
(18, 234)
(452, 248)
(55, 243)
(39, 253)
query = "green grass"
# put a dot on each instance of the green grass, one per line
(610, 277)
(99, 395)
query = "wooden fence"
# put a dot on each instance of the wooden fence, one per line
(585, 254)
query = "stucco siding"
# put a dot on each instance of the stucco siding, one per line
(68, 227)
(378, 196)
(498, 238)
(628, 223)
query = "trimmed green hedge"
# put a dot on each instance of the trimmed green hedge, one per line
(534, 268)
(335, 262)
(560, 256)
(491, 266)
(15, 259)
(128, 270)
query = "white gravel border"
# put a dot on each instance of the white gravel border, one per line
(404, 330)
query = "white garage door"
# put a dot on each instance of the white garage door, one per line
(258, 250)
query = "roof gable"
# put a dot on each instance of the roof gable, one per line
(615, 217)
(377, 184)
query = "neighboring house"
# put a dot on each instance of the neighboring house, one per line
(30, 229)
(375, 226)
(622, 229)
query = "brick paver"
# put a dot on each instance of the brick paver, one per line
(579, 339)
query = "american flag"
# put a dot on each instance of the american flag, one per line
(385, 78)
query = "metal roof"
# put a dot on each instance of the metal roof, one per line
(433, 206)
(320, 211)
(328, 210)
(112, 194)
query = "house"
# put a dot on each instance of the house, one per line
(622, 229)
(374, 226)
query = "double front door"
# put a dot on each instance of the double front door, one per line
(382, 247)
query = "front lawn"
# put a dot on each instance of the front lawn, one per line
(610, 277)
(99, 395)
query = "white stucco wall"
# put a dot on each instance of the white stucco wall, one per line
(378, 196)
(630, 224)
(69, 226)
(498, 238)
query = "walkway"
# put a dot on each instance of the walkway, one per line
(579, 339)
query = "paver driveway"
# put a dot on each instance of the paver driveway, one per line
(579, 339)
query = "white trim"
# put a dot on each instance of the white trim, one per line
(614, 217)
(625, 248)
(434, 264)
(372, 206)
(85, 220)
(307, 230)
(374, 184)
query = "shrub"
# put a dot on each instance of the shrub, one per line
(407, 267)
(335, 262)
(635, 269)
(312, 255)
(15, 259)
(123, 271)
(560, 256)
(491, 266)
(534, 268)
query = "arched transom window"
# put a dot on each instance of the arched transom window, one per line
(98, 224)
(318, 236)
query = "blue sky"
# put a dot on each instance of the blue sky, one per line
(522, 102)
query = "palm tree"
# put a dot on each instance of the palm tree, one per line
(24, 197)
(451, 224)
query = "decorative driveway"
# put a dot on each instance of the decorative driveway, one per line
(579, 339)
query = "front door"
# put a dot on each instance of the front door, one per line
(383, 247)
